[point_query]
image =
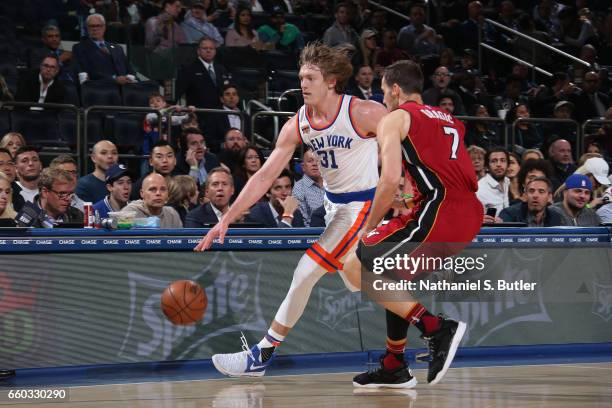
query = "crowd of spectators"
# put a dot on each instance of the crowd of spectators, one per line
(203, 168)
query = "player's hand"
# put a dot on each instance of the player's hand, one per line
(218, 231)
(290, 204)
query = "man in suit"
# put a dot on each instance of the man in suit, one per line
(217, 126)
(202, 81)
(52, 40)
(281, 209)
(42, 86)
(194, 158)
(219, 188)
(590, 103)
(363, 88)
(101, 59)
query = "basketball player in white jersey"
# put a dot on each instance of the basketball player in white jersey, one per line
(341, 131)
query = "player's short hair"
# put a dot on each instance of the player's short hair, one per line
(333, 62)
(406, 74)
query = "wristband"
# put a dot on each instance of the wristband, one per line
(287, 216)
(194, 168)
(408, 203)
(407, 196)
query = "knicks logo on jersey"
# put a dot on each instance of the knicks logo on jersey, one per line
(333, 141)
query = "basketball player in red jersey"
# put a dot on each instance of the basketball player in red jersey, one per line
(428, 144)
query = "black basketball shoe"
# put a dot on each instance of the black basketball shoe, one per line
(400, 377)
(442, 346)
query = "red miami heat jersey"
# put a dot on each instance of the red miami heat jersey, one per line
(434, 153)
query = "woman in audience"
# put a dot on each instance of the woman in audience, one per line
(447, 59)
(514, 166)
(532, 154)
(477, 154)
(6, 205)
(528, 134)
(481, 133)
(367, 50)
(12, 141)
(251, 159)
(243, 34)
(183, 195)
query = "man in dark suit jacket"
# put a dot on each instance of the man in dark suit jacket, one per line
(194, 158)
(590, 103)
(51, 40)
(218, 189)
(99, 58)
(202, 81)
(363, 88)
(217, 126)
(42, 86)
(281, 209)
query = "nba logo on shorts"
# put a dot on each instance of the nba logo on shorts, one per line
(602, 301)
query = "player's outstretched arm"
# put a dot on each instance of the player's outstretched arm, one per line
(389, 134)
(258, 184)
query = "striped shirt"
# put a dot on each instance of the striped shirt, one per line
(310, 195)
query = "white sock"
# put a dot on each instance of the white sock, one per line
(272, 339)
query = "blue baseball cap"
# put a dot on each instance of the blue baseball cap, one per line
(578, 181)
(116, 171)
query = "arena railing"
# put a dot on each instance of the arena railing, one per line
(585, 125)
(55, 107)
(389, 10)
(283, 96)
(259, 114)
(118, 109)
(243, 117)
(476, 119)
(544, 120)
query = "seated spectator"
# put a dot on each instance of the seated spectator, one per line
(472, 92)
(7, 166)
(280, 35)
(445, 102)
(243, 34)
(196, 25)
(52, 45)
(12, 141)
(605, 211)
(366, 51)
(162, 160)
(194, 158)
(389, 52)
(441, 79)
(183, 195)
(477, 155)
(530, 169)
(603, 135)
(250, 161)
(510, 97)
(42, 86)
(514, 166)
(163, 32)
(52, 206)
(119, 185)
(309, 189)
(219, 189)
(222, 15)
(447, 59)
(482, 134)
(528, 135)
(576, 196)
(281, 209)
(597, 170)
(575, 30)
(218, 125)
(29, 167)
(470, 27)
(535, 212)
(5, 93)
(99, 58)
(341, 31)
(6, 192)
(560, 157)
(549, 97)
(591, 103)
(154, 194)
(534, 154)
(92, 187)
(363, 88)
(234, 142)
(417, 38)
(66, 162)
(493, 188)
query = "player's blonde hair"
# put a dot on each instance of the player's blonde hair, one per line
(333, 62)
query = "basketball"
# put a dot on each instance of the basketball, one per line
(184, 302)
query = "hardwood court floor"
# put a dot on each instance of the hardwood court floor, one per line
(582, 385)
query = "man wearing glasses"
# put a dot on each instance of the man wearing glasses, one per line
(441, 80)
(42, 86)
(52, 205)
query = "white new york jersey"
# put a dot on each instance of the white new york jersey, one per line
(347, 161)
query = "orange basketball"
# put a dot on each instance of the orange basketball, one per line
(184, 302)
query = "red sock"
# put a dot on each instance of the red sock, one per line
(395, 354)
(422, 319)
